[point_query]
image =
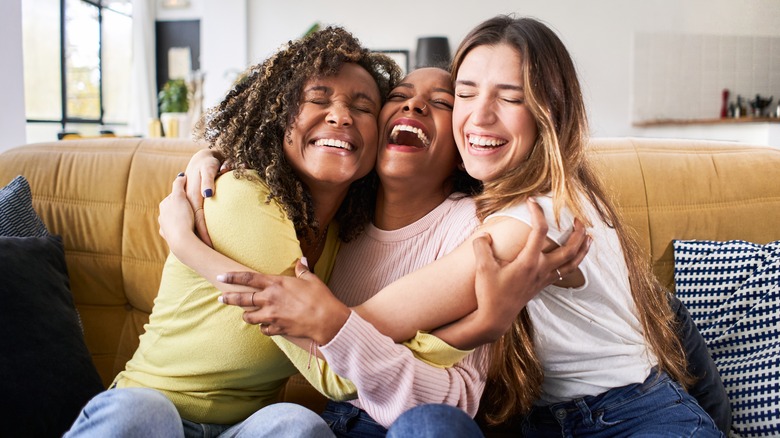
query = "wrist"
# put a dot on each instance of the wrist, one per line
(333, 320)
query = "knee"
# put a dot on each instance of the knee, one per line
(285, 419)
(434, 420)
(152, 403)
(129, 412)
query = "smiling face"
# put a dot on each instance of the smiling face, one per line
(494, 130)
(333, 139)
(416, 126)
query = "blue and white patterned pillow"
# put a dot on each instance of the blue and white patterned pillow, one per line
(732, 290)
(17, 216)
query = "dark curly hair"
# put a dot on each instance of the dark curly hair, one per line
(249, 125)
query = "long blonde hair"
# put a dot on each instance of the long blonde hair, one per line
(558, 164)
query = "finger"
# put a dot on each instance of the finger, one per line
(301, 267)
(483, 251)
(573, 263)
(246, 278)
(538, 236)
(571, 250)
(178, 185)
(240, 299)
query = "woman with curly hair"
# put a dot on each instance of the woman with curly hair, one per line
(302, 126)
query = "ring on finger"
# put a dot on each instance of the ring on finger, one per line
(253, 298)
(560, 277)
(302, 272)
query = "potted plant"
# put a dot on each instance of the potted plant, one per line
(174, 104)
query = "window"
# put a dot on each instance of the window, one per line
(77, 62)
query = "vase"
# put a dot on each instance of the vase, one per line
(175, 125)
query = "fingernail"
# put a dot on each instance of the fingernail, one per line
(305, 261)
(207, 193)
(532, 199)
(219, 298)
(221, 277)
(180, 174)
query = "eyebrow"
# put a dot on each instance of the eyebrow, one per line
(435, 89)
(499, 86)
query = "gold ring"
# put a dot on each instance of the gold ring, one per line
(302, 272)
(253, 298)
(560, 277)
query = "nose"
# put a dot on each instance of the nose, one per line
(416, 106)
(339, 115)
(483, 113)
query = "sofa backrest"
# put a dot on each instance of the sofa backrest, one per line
(102, 196)
(689, 189)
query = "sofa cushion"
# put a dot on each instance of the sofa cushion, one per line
(17, 216)
(732, 290)
(47, 372)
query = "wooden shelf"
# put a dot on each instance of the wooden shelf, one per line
(729, 121)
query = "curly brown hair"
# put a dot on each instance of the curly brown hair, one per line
(248, 126)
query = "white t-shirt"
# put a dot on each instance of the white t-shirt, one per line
(588, 339)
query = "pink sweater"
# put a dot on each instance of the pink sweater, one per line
(388, 377)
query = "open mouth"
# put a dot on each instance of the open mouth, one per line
(334, 143)
(481, 142)
(409, 136)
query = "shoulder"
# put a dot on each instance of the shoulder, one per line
(242, 199)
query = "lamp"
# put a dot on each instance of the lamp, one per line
(432, 52)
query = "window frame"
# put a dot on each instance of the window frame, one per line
(64, 118)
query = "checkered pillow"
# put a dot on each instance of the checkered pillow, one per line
(17, 216)
(732, 290)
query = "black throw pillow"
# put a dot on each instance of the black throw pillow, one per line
(46, 373)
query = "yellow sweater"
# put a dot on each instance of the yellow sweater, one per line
(212, 365)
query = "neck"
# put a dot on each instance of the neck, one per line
(326, 204)
(401, 205)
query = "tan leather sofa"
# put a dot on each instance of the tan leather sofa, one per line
(102, 196)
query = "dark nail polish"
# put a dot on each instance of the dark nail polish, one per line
(180, 174)
(207, 193)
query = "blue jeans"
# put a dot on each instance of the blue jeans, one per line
(128, 412)
(144, 412)
(657, 407)
(346, 420)
(432, 421)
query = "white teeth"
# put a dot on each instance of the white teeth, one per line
(416, 131)
(332, 142)
(478, 140)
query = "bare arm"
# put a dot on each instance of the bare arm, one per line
(448, 284)
(497, 283)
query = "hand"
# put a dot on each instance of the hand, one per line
(300, 306)
(201, 174)
(176, 216)
(504, 288)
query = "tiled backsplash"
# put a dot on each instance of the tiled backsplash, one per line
(682, 77)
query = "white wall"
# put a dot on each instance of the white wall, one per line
(598, 33)
(12, 121)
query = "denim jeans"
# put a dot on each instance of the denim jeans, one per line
(346, 420)
(128, 412)
(657, 407)
(144, 412)
(433, 421)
